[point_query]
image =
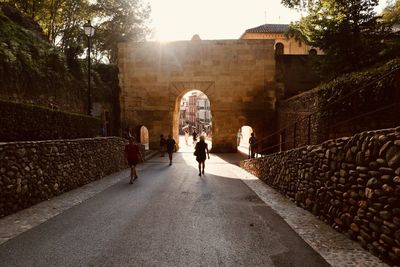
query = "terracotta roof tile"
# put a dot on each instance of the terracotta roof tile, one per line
(266, 28)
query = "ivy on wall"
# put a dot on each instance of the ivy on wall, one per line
(22, 122)
(359, 92)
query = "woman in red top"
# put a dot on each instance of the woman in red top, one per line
(132, 154)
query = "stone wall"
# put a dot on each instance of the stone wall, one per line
(236, 75)
(31, 172)
(353, 184)
(295, 74)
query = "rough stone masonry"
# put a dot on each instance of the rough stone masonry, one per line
(238, 77)
(31, 172)
(353, 184)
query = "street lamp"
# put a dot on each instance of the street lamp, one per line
(89, 32)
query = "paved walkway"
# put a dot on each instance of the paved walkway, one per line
(173, 217)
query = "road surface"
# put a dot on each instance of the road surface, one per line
(168, 217)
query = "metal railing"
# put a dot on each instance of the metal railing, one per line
(290, 138)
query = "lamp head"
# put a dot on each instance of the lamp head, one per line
(89, 29)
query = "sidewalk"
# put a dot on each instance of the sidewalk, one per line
(337, 249)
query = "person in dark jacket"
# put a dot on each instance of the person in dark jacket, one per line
(132, 154)
(253, 146)
(200, 153)
(163, 142)
(170, 143)
(194, 134)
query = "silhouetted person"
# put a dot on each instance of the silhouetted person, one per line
(170, 143)
(132, 154)
(200, 153)
(253, 145)
(194, 134)
(163, 143)
(186, 136)
(127, 134)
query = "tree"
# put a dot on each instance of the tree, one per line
(391, 14)
(348, 31)
(30, 8)
(122, 20)
(62, 20)
(391, 18)
(301, 4)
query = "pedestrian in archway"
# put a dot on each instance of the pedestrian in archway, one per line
(239, 136)
(186, 136)
(163, 143)
(132, 154)
(194, 134)
(253, 146)
(170, 143)
(127, 133)
(200, 153)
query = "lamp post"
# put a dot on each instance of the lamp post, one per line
(89, 32)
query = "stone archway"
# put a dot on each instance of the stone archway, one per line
(238, 76)
(180, 90)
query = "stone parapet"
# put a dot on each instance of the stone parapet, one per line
(31, 172)
(352, 184)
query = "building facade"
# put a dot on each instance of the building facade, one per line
(195, 112)
(283, 45)
(203, 114)
(191, 114)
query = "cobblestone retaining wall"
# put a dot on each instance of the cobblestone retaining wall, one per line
(31, 172)
(353, 184)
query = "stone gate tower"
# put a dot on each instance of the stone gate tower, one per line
(236, 75)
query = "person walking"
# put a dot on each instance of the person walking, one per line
(170, 143)
(132, 154)
(200, 153)
(163, 142)
(127, 133)
(194, 134)
(239, 136)
(186, 136)
(253, 146)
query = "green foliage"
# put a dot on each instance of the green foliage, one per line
(391, 18)
(300, 4)
(369, 90)
(391, 14)
(34, 71)
(125, 21)
(347, 31)
(62, 21)
(21, 122)
(22, 50)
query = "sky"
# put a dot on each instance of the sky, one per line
(216, 19)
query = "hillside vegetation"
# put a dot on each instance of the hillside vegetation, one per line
(33, 71)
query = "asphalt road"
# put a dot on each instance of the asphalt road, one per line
(169, 217)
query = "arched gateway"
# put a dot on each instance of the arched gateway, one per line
(236, 75)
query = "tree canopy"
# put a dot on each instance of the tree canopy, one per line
(391, 14)
(62, 20)
(348, 31)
